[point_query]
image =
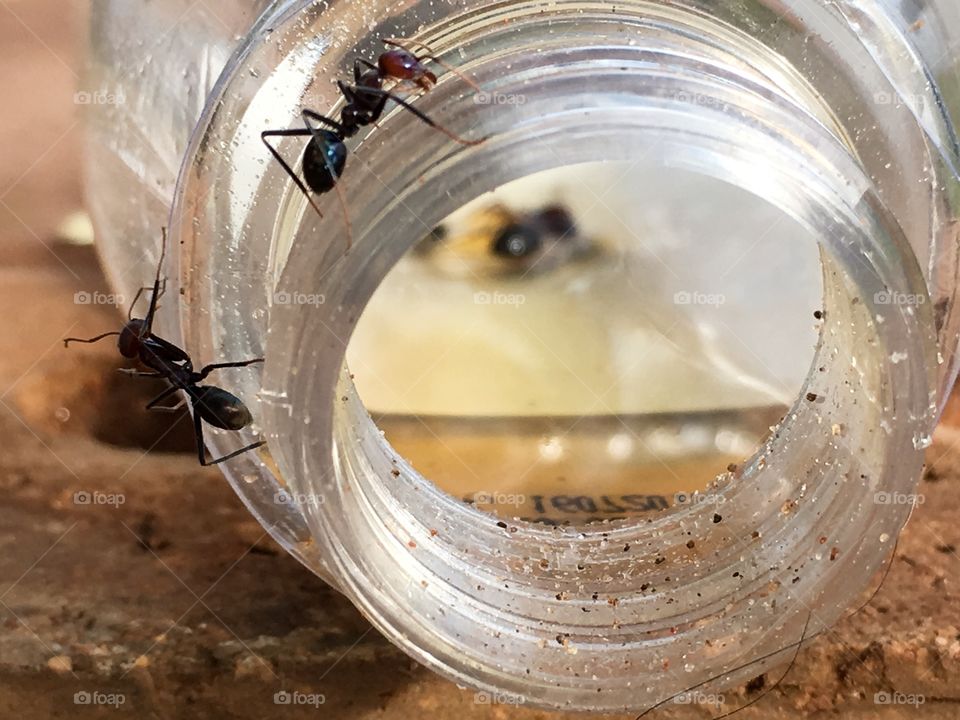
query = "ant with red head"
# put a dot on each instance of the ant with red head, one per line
(163, 359)
(325, 156)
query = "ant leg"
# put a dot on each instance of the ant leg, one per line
(425, 118)
(134, 303)
(338, 128)
(430, 56)
(283, 163)
(356, 68)
(163, 289)
(201, 448)
(98, 338)
(152, 405)
(241, 451)
(219, 366)
(348, 92)
(148, 320)
(309, 115)
(172, 409)
(166, 351)
(133, 372)
(357, 77)
(198, 436)
(377, 112)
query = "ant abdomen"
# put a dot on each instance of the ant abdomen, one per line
(220, 408)
(323, 161)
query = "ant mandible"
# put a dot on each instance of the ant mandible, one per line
(214, 405)
(325, 156)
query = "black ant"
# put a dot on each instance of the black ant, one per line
(136, 341)
(326, 154)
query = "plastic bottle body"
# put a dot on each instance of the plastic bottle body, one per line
(853, 142)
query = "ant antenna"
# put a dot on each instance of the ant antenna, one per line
(797, 644)
(803, 638)
(90, 341)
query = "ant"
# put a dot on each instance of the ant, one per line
(325, 156)
(496, 240)
(214, 405)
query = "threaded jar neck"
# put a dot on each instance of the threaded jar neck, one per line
(554, 615)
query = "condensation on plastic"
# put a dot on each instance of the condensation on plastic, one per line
(837, 113)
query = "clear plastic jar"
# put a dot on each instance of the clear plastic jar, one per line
(834, 118)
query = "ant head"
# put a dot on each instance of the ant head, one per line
(130, 338)
(403, 65)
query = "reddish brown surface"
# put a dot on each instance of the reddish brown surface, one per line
(177, 599)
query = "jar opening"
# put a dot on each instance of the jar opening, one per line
(636, 342)
(514, 578)
(485, 600)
